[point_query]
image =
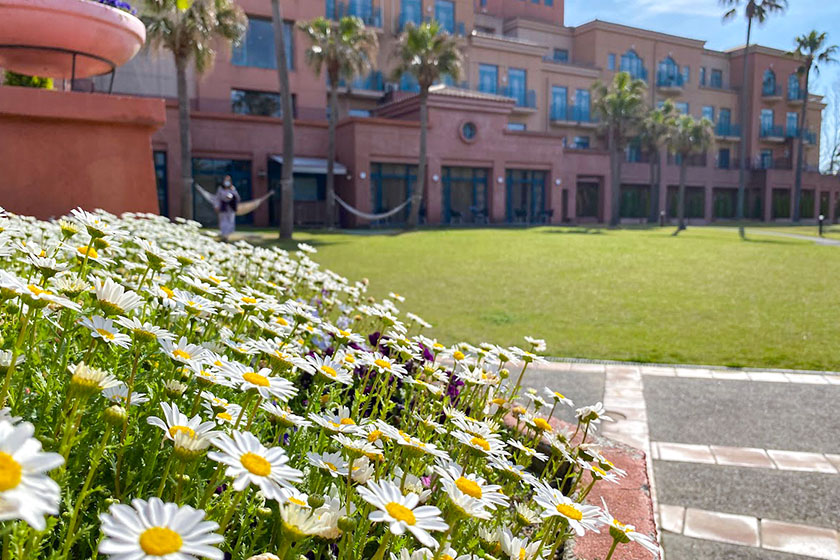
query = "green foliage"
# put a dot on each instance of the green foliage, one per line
(427, 53)
(345, 49)
(20, 80)
(621, 106)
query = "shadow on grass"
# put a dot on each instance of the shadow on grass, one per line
(576, 231)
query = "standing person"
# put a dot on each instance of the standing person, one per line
(227, 199)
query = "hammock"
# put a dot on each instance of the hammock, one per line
(242, 208)
(372, 217)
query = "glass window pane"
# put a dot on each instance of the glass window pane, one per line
(257, 48)
(488, 78)
(445, 14)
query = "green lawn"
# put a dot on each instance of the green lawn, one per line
(704, 297)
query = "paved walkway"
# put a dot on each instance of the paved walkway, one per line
(744, 464)
(817, 240)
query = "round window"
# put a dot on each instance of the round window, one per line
(469, 131)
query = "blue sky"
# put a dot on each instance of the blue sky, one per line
(701, 19)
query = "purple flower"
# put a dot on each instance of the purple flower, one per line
(118, 4)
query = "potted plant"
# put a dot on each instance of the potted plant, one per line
(61, 39)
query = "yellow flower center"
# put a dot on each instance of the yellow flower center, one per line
(330, 466)
(384, 364)
(281, 321)
(249, 299)
(542, 424)
(160, 541)
(374, 435)
(498, 401)
(347, 422)
(10, 472)
(523, 554)
(297, 502)
(469, 487)
(256, 379)
(105, 334)
(480, 442)
(173, 431)
(559, 395)
(343, 333)
(349, 359)
(224, 416)
(458, 355)
(167, 291)
(255, 464)
(183, 354)
(89, 251)
(37, 290)
(400, 513)
(569, 511)
(329, 371)
(446, 557)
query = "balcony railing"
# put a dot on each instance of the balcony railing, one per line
(772, 163)
(728, 129)
(572, 113)
(770, 90)
(795, 95)
(524, 98)
(668, 80)
(772, 131)
(374, 81)
(370, 15)
(793, 132)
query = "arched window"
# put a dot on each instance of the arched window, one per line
(668, 73)
(768, 84)
(633, 65)
(793, 87)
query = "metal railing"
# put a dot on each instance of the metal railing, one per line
(572, 113)
(771, 131)
(523, 98)
(794, 95)
(366, 11)
(770, 90)
(374, 81)
(728, 129)
(669, 80)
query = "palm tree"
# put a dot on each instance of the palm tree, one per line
(287, 194)
(191, 31)
(688, 136)
(653, 132)
(812, 51)
(621, 108)
(427, 54)
(758, 11)
(345, 49)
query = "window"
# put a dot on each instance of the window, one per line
(261, 103)
(516, 126)
(559, 107)
(409, 83)
(702, 75)
(488, 78)
(362, 113)
(632, 64)
(682, 107)
(668, 73)
(781, 203)
(581, 142)
(723, 158)
(517, 85)
(362, 9)
(768, 83)
(633, 153)
(767, 120)
(465, 194)
(716, 79)
(725, 116)
(209, 173)
(792, 124)
(686, 74)
(611, 61)
(526, 195)
(162, 182)
(391, 185)
(765, 159)
(257, 49)
(445, 15)
(469, 130)
(549, 2)
(709, 112)
(412, 12)
(581, 109)
(793, 87)
(561, 55)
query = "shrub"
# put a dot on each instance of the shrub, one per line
(20, 80)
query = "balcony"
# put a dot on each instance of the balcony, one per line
(564, 115)
(526, 100)
(795, 97)
(670, 84)
(772, 133)
(781, 163)
(370, 15)
(793, 132)
(771, 92)
(728, 131)
(372, 86)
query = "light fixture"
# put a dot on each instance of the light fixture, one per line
(349, 177)
(362, 175)
(435, 178)
(558, 182)
(500, 180)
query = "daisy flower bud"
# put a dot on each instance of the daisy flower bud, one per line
(115, 415)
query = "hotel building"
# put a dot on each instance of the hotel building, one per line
(513, 140)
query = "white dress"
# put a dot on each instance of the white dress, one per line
(226, 201)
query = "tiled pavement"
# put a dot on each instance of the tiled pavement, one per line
(745, 464)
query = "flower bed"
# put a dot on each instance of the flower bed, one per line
(170, 396)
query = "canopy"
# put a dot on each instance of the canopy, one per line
(316, 166)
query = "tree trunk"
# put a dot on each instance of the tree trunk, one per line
(681, 195)
(654, 187)
(417, 196)
(186, 142)
(331, 152)
(797, 182)
(286, 210)
(742, 110)
(615, 171)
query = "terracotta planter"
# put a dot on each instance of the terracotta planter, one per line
(104, 36)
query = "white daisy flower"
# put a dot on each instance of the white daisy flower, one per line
(268, 386)
(183, 351)
(557, 397)
(338, 421)
(154, 529)
(488, 446)
(285, 416)
(333, 463)
(402, 512)
(528, 451)
(114, 299)
(144, 331)
(26, 491)
(250, 462)
(466, 487)
(119, 394)
(592, 414)
(103, 328)
(581, 517)
(331, 368)
(174, 421)
(627, 533)
(518, 548)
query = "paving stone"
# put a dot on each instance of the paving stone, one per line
(688, 453)
(800, 539)
(742, 457)
(678, 547)
(807, 378)
(730, 375)
(660, 371)
(721, 527)
(801, 461)
(834, 460)
(768, 376)
(696, 373)
(671, 518)
(832, 379)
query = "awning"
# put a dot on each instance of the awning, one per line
(316, 166)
